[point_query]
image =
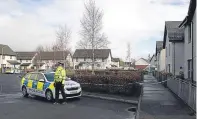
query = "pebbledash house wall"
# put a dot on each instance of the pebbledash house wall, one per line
(195, 44)
(162, 59)
(187, 52)
(103, 65)
(7, 57)
(168, 55)
(174, 56)
(188, 49)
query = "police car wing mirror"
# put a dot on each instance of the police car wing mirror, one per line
(41, 80)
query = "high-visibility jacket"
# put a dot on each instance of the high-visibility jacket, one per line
(60, 74)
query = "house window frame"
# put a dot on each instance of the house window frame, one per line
(189, 69)
(76, 59)
(169, 68)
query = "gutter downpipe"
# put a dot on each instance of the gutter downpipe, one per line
(174, 58)
(192, 39)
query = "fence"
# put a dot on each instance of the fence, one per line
(184, 89)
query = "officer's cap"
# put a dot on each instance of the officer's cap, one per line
(60, 63)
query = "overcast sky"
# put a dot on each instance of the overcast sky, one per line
(24, 24)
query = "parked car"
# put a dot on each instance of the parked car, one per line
(42, 84)
(9, 70)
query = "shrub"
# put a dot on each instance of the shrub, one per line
(113, 82)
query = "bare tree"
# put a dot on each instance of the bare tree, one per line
(129, 54)
(91, 26)
(37, 60)
(63, 40)
(40, 48)
(47, 48)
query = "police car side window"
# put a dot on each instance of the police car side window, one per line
(40, 76)
(27, 76)
(33, 76)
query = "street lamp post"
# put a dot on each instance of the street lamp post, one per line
(2, 57)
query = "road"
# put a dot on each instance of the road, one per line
(14, 106)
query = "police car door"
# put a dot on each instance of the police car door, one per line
(31, 83)
(40, 85)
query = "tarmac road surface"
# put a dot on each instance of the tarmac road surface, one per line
(14, 106)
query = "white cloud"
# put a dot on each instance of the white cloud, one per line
(124, 21)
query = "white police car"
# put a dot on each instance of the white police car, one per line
(42, 84)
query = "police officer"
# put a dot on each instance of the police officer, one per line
(60, 76)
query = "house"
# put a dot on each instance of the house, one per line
(173, 43)
(141, 64)
(8, 57)
(26, 59)
(153, 61)
(115, 62)
(82, 58)
(160, 56)
(189, 26)
(43, 60)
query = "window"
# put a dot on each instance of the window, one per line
(26, 60)
(40, 76)
(84, 59)
(189, 66)
(49, 77)
(168, 68)
(10, 57)
(76, 59)
(3, 57)
(103, 59)
(20, 60)
(33, 76)
(27, 76)
(169, 50)
(98, 65)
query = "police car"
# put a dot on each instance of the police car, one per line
(42, 84)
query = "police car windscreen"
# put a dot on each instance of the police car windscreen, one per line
(49, 76)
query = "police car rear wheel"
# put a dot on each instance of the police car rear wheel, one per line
(24, 91)
(49, 95)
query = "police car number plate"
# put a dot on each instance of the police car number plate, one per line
(73, 92)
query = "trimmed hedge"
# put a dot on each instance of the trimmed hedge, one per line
(120, 83)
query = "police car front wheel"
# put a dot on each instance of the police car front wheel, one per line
(24, 92)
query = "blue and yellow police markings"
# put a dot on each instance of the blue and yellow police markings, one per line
(46, 85)
(35, 86)
(40, 86)
(25, 82)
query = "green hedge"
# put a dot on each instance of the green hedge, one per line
(124, 83)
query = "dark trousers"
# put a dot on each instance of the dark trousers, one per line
(59, 88)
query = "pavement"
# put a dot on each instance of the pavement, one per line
(111, 97)
(14, 106)
(159, 103)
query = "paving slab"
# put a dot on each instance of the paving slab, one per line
(159, 103)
